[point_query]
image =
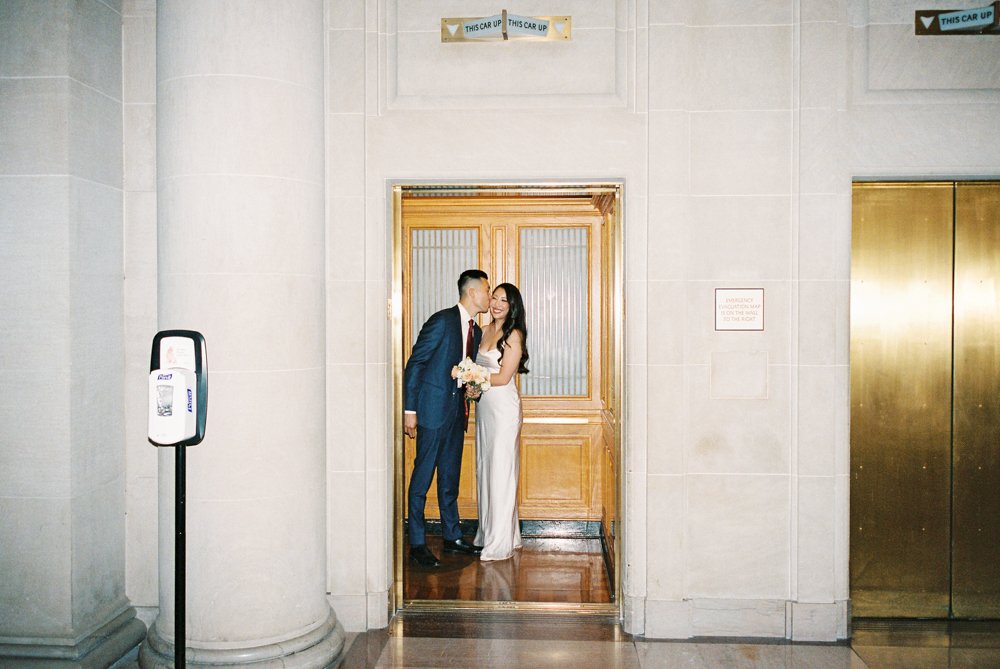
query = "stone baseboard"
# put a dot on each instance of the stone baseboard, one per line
(101, 649)
(754, 618)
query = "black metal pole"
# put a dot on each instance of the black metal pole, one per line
(179, 558)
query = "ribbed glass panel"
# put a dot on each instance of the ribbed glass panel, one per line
(554, 285)
(438, 257)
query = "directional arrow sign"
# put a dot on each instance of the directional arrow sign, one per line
(484, 28)
(958, 21)
(505, 27)
(527, 25)
(970, 18)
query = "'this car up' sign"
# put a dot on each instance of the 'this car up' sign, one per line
(504, 26)
(979, 21)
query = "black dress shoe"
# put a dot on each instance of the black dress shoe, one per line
(461, 546)
(421, 555)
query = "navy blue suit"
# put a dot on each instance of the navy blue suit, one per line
(429, 390)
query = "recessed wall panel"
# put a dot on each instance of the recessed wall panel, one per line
(898, 59)
(589, 71)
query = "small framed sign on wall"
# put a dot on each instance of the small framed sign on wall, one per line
(739, 309)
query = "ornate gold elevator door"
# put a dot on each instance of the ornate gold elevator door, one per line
(925, 400)
(556, 247)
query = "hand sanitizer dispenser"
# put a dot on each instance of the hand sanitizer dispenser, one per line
(172, 417)
(178, 407)
(178, 388)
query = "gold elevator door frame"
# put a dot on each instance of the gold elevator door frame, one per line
(925, 400)
(593, 419)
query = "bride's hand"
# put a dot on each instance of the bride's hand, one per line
(473, 392)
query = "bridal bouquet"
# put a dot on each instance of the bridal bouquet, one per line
(475, 378)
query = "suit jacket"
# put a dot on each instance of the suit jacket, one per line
(428, 387)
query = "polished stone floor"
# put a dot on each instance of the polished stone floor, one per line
(433, 634)
(454, 640)
(509, 641)
(916, 644)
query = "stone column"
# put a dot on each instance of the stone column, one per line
(62, 451)
(240, 193)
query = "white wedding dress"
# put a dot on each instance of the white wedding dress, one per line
(498, 435)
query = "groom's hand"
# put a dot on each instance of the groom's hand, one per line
(410, 425)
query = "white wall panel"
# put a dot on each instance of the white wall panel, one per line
(741, 67)
(720, 12)
(421, 72)
(898, 59)
(734, 550)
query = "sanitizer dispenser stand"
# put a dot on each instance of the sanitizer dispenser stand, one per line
(178, 408)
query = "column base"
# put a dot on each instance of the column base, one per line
(317, 649)
(101, 649)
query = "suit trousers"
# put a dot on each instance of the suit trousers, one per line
(441, 449)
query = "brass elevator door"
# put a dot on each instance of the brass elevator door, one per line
(976, 441)
(925, 400)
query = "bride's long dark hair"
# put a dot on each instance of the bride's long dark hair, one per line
(514, 321)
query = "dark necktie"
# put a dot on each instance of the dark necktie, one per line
(468, 340)
(468, 354)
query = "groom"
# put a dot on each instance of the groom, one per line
(434, 406)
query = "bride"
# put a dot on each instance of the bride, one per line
(504, 352)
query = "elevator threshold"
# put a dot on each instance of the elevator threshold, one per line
(492, 624)
(926, 643)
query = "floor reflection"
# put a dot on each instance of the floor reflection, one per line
(507, 640)
(545, 570)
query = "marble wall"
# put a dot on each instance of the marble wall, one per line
(62, 464)
(723, 96)
(737, 129)
(920, 106)
(240, 170)
(140, 296)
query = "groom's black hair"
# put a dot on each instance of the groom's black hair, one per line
(468, 276)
